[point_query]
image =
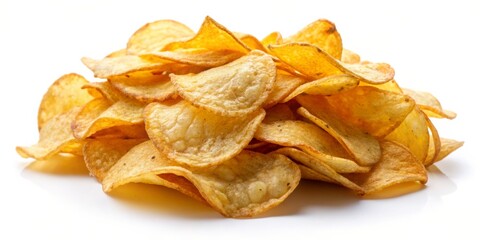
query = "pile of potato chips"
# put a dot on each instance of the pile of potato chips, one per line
(236, 122)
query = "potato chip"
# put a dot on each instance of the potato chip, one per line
(325, 86)
(250, 41)
(447, 147)
(350, 57)
(118, 53)
(246, 185)
(284, 84)
(156, 90)
(315, 63)
(396, 166)
(273, 38)
(101, 155)
(237, 88)
(310, 174)
(63, 95)
(196, 57)
(310, 139)
(55, 136)
(154, 36)
(323, 34)
(435, 144)
(429, 104)
(196, 137)
(100, 114)
(279, 112)
(320, 167)
(413, 134)
(211, 36)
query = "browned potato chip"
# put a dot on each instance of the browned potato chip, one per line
(211, 36)
(234, 89)
(310, 139)
(152, 37)
(159, 89)
(323, 34)
(429, 104)
(435, 144)
(64, 94)
(284, 85)
(315, 63)
(279, 112)
(250, 41)
(447, 147)
(273, 38)
(246, 185)
(196, 137)
(350, 57)
(196, 57)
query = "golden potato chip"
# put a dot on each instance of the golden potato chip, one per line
(325, 86)
(349, 56)
(154, 90)
(135, 131)
(315, 63)
(100, 114)
(279, 112)
(310, 139)
(310, 174)
(118, 53)
(447, 147)
(284, 84)
(323, 34)
(320, 167)
(64, 94)
(397, 165)
(413, 134)
(234, 89)
(376, 112)
(55, 136)
(245, 185)
(435, 144)
(429, 104)
(154, 36)
(104, 90)
(273, 38)
(197, 57)
(211, 36)
(196, 137)
(101, 154)
(250, 41)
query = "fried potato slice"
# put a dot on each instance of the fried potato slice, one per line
(319, 167)
(363, 147)
(246, 185)
(211, 36)
(198, 138)
(429, 104)
(413, 134)
(273, 38)
(397, 165)
(153, 90)
(101, 154)
(435, 145)
(196, 57)
(279, 112)
(154, 36)
(310, 174)
(55, 136)
(447, 146)
(325, 86)
(104, 90)
(313, 62)
(64, 94)
(284, 84)
(310, 139)
(250, 41)
(234, 89)
(374, 111)
(349, 56)
(100, 114)
(323, 34)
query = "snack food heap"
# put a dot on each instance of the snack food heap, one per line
(236, 122)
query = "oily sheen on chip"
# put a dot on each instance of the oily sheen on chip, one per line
(235, 121)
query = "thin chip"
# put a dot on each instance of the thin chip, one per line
(435, 144)
(196, 137)
(63, 95)
(154, 90)
(235, 89)
(250, 41)
(196, 57)
(273, 38)
(447, 146)
(323, 34)
(284, 85)
(315, 63)
(279, 112)
(244, 186)
(349, 56)
(429, 104)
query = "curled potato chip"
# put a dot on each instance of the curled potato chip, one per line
(284, 84)
(323, 34)
(315, 63)
(350, 57)
(237, 88)
(64, 94)
(100, 114)
(429, 104)
(413, 134)
(320, 167)
(435, 144)
(104, 90)
(325, 86)
(154, 90)
(211, 36)
(310, 174)
(197, 57)
(101, 154)
(310, 139)
(152, 37)
(447, 146)
(246, 185)
(273, 38)
(55, 136)
(397, 165)
(250, 41)
(279, 112)
(196, 137)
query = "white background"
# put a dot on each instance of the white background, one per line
(433, 46)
